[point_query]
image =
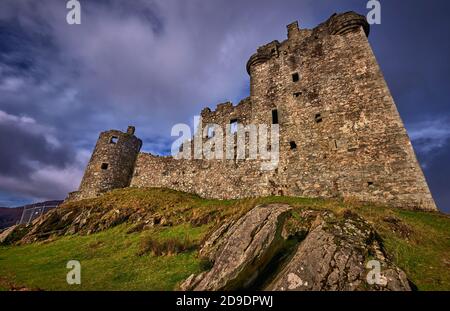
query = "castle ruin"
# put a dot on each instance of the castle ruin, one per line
(341, 135)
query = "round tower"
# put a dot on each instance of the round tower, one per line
(261, 70)
(340, 24)
(111, 165)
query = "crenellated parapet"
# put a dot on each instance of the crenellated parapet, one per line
(263, 54)
(337, 24)
(224, 113)
(341, 24)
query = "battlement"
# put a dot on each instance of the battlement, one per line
(293, 29)
(226, 108)
(263, 54)
(337, 24)
(341, 24)
(340, 133)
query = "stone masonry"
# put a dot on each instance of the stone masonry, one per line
(111, 165)
(341, 135)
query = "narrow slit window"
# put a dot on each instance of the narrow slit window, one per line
(210, 131)
(293, 145)
(295, 77)
(370, 183)
(233, 125)
(297, 94)
(114, 140)
(275, 116)
(105, 166)
(318, 118)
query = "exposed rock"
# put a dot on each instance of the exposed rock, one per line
(191, 282)
(136, 227)
(13, 234)
(271, 247)
(5, 233)
(247, 247)
(65, 221)
(214, 242)
(333, 254)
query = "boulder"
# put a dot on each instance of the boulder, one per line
(13, 234)
(241, 249)
(6, 233)
(273, 247)
(334, 257)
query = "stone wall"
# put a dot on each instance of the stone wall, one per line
(341, 134)
(228, 179)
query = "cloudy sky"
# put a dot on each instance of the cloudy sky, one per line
(156, 63)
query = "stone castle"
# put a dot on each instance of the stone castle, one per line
(341, 135)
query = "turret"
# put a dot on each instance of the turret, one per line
(257, 67)
(111, 165)
(340, 24)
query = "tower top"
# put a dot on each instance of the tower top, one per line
(292, 28)
(337, 24)
(131, 129)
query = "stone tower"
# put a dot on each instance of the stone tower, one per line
(341, 133)
(111, 165)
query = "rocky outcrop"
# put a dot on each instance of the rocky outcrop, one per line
(6, 233)
(334, 256)
(241, 250)
(275, 247)
(13, 234)
(270, 247)
(66, 221)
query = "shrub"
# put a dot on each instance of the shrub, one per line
(206, 264)
(168, 247)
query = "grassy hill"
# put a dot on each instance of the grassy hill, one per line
(132, 255)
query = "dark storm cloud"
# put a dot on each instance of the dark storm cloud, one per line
(157, 63)
(33, 161)
(413, 51)
(24, 143)
(437, 175)
(10, 200)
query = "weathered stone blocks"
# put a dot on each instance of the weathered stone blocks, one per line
(332, 103)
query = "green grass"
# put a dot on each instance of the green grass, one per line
(425, 254)
(110, 261)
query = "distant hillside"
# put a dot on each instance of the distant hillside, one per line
(10, 216)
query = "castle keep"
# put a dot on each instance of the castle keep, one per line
(340, 132)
